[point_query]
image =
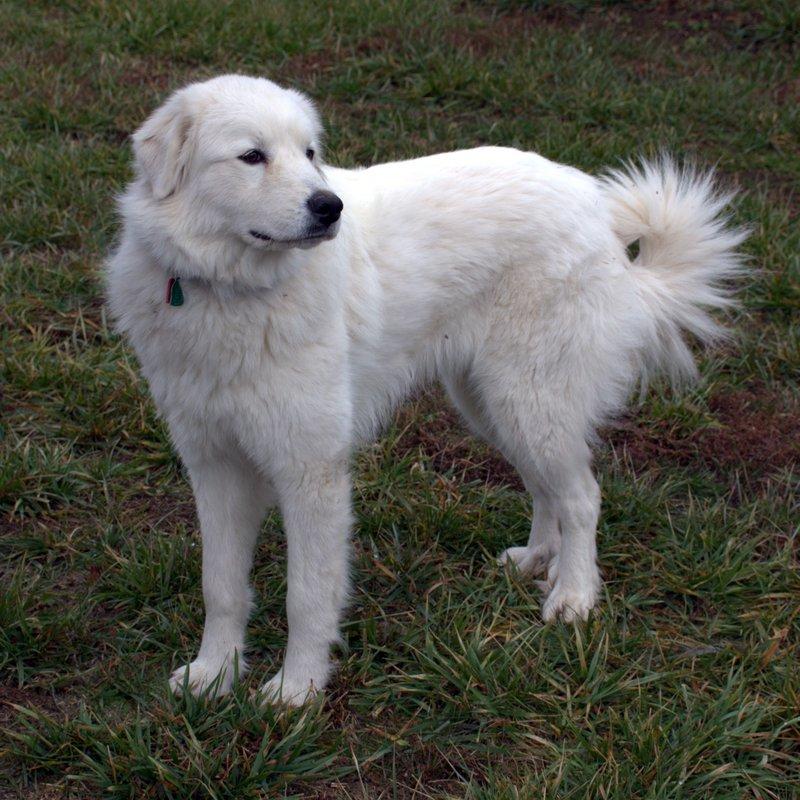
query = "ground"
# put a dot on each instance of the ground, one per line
(686, 681)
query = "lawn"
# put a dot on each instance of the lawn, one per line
(684, 684)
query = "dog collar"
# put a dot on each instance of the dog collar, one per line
(174, 292)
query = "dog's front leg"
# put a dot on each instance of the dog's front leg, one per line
(231, 500)
(315, 501)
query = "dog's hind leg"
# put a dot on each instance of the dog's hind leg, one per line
(544, 541)
(542, 434)
(573, 576)
(232, 499)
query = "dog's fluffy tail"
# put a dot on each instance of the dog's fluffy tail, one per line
(687, 256)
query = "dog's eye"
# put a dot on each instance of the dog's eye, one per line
(253, 157)
(310, 154)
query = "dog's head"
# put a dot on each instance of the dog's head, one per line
(239, 158)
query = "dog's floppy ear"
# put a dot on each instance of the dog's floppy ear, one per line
(161, 145)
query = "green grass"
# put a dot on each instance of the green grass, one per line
(685, 683)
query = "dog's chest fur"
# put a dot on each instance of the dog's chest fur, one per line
(225, 354)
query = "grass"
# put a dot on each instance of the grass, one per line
(685, 683)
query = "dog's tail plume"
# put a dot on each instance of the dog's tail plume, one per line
(687, 256)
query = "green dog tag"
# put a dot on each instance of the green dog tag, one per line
(174, 292)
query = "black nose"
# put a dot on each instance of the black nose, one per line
(325, 206)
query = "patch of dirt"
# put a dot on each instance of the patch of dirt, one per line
(782, 187)
(418, 770)
(756, 435)
(673, 20)
(788, 92)
(302, 68)
(11, 696)
(42, 791)
(679, 20)
(383, 42)
(152, 72)
(137, 511)
(159, 510)
(432, 429)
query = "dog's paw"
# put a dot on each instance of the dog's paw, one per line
(290, 690)
(203, 676)
(570, 603)
(528, 560)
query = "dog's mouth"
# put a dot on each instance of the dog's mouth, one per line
(316, 236)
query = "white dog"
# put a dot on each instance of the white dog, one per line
(282, 308)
